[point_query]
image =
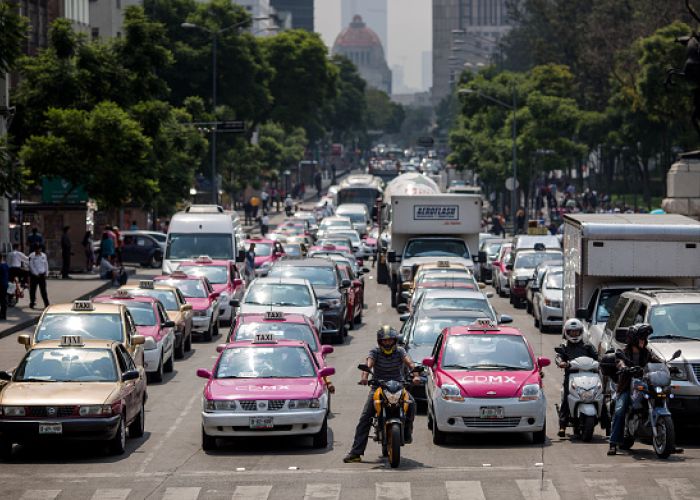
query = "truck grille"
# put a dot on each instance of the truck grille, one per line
(696, 371)
(491, 423)
(272, 405)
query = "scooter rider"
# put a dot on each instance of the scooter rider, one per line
(574, 348)
(636, 351)
(386, 361)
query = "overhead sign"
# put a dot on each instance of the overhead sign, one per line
(235, 126)
(509, 184)
(426, 142)
(57, 190)
(436, 212)
(336, 149)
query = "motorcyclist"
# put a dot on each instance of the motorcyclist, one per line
(640, 355)
(575, 347)
(386, 361)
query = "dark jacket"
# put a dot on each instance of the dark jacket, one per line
(645, 357)
(575, 350)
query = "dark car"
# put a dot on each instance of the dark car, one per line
(491, 246)
(329, 286)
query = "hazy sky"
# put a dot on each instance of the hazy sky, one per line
(410, 33)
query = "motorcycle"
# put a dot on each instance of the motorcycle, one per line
(391, 402)
(586, 397)
(648, 417)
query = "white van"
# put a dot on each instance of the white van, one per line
(192, 234)
(358, 214)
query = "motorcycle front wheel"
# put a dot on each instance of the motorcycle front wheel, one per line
(665, 437)
(587, 428)
(394, 445)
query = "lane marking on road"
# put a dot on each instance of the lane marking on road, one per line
(111, 494)
(607, 489)
(250, 492)
(536, 489)
(678, 488)
(322, 491)
(392, 491)
(166, 437)
(181, 493)
(464, 490)
(40, 494)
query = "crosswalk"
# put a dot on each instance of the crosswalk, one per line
(528, 489)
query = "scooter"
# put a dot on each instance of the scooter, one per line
(586, 397)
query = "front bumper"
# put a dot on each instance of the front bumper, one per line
(551, 316)
(200, 324)
(518, 416)
(333, 321)
(87, 429)
(221, 424)
(519, 292)
(684, 406)
(151, 358)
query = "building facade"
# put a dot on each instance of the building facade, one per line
(107, 17)
(374, 14)
(363, 47)
(260, 9)
(302, 12)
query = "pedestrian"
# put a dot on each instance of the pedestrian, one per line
(117, 246)
(89, 252)
(496, 226)
(106, 247)
(38, 270)
(318, 181)
(247, 210)
(288, 205)
(134, 226)
(35, 239)
(265, 197)
(65, 253)
(520, 221)
(17, 262)
(117, 276)
(4, 283)
(250, 262)
(264, 224)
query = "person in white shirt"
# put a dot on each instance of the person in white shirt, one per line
(264, 224)
(38, 270)
(17, 262)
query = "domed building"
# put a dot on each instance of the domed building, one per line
(363, 47)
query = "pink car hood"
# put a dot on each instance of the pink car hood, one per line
(198, 304)
(490, 383)
(149, 331)
(259, 261)
(269, 388)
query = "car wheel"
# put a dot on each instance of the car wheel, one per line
(430, 420)
(351, 323)
(528, 307)
(5, 450)
(188, 342)
(543, 329)
(208, 442)
(209, 334)
(320, 439)
(382, 274)
(538, 437)
(180, 350)
(156, 261)
(393, 293)
(358, 319)
(169, 365)
(439, 437)
(138, 426)
(117, 445)
(157, 376)
(215, 330)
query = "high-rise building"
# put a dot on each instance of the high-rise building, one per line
(259, 9)
(107, 17)
(427, 69)
(374, 14)
(466, 35)
(302, 12)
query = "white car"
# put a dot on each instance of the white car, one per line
(334, 223)
(454, 299)
(359, 247)
(547, 301)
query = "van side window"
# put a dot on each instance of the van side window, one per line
(592, 303)
(632, 314)
(615, 316)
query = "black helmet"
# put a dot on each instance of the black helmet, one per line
(387, 332)
(640, 331)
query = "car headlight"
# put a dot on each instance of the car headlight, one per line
(13, 411)
(552, 303)
(451, 392)
(219, 405)
(150, 344)
(201, 314)
(333, 302)
(531, 392)
(304, 404)
(406, 273)
(678, 372)
(95, 410)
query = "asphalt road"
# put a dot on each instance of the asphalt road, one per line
(168, 462)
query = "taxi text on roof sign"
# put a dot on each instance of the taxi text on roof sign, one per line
(178, 274)
(436, 212)
(274, 315)
(83, 305)
(443, 263)
(203, 258)
(122, 294)
(146, 284)
(264, 338)
(484, 324)
(71, 340)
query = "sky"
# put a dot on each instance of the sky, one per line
(410, 33)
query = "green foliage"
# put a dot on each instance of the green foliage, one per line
(382, 113)
(13, 32)
(346, 114)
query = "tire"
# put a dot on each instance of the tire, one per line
(208, 442)
(439, 437)
(215, 328)
(587, 429)
(117, 445)
(358, 319)
(188, 342)
(510, 300)
(170, 364)
(351, 323)
(156, 261)
(394, 445)
(382, 274)
(138, 426)
(180, 350)
(157, 376)
(536, 322)
(538, 437)
(385, 450)
(209, 334)
(5, 450)
(543, 329)
(627, 442)
(320, 439)
(393, 293)
(664, 443)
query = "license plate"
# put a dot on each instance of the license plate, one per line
(491, 412)
(50, 429)
(261, 423)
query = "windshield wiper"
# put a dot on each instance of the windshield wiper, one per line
(35, 379)
(681, 337)
(287, 304)
(454, 365)
(496, 366)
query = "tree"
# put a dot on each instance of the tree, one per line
(13, 33)
(382, 113)
(346, 114)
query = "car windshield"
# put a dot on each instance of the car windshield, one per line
(460, 303)
(607, 302)
(486, 352)
(280, 329)
(681, 320)
(492, 249)
(317, 275)
(188, 246)
(292, 250)
(262, 249)
(356, 218)
(160, 237)
(436, 248)
(215, 274)
(88, 325)
(166, 297)
(67, 365)
(335, 224)
(427, 329)
(142, 312)
(265, 362)
(555, 281)
(529, 260)
(353, 237)
(341, 242)
(190, 288)
(279, 294)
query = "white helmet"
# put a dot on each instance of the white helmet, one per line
(573, 330)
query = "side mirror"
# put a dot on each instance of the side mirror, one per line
(363, 367)
(138, 340)
(5, 375)
(326, 372)
(214, 295)
(220, 348)
(326, 349)
(234, 303)
(429, 362)
(404, 317)
(324, 306)
(621, 335)
(25, 340)
(504, 319)
(582, 314)
(543, 362)
(169, 324)
(237, 282)
(509, 267)
(676, 355)
(402, 308)
(406, 295)
(481, 285)
(241, 256)
(202, 373)
(391, 256)
(345, 284)
(482, 256)
(130, 375)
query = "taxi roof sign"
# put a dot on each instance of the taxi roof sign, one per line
(147, 284)
(274, 315)
(203, 258)
(264, 338)
(71, 340)
(122, 294)
(443, 263)
(83, 305)
(484, 324)
(178, 274)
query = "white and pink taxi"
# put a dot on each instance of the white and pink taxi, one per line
(265, 387)
(485, 378)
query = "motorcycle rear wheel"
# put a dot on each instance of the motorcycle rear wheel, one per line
(394, 445)
(665, 437)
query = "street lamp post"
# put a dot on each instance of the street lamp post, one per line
(514, 130)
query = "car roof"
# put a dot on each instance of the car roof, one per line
(156, 286)
(87, 344)
(439, 293)
(280, 281)
(336, 218)
(277, 343)
(212, 262)
(113, 299)
(670, 296)
(308, 262)
(351, 207)
(98, 308)
(447, 276)
(288, 318)
(426, 314)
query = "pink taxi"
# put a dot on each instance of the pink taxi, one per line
(265, 387)
(224, 278)
(485, 378)
(265, 254)
(204, 300)
(152, 322)
(330, 248)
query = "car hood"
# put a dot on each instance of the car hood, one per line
(416, 261)
(419, 352)
(491, 383)
(57, 393)
(149, 331)
(690, 350)
(326, 292)
(269, 388)
(261, 309)
(522, 273)
(554, 295)
(198, 304)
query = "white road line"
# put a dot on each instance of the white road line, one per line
(535, 489)
(678, 488)
(392, 491)
(464, 490)
(40, 494)
(252, 492)
(111, 494)
(322, 491)
(606, 489)
(181, 493)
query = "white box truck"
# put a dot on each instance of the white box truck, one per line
(606, 255)
(429, 228)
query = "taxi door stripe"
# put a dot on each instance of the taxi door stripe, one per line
(261, 492)
(536, 489)
(40, 494)
(111, 494)
(322, 491)
(181, 493)
(393, 491)
(464, 490)
(606, 489)
(678, 488)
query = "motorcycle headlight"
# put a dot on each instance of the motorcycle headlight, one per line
(406, 273)
(588, 395)
(150, 344)
(304, 404)
(531, 392)
(219, 405)
(451, 392)
(678, 372)
(392, 397)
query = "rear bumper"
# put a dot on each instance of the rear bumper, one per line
(101, 429)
